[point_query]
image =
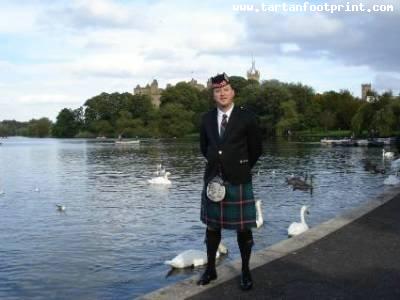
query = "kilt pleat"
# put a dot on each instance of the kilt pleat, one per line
(236, 211)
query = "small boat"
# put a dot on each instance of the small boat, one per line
(133, 142)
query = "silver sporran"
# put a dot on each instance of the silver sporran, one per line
(216, 189)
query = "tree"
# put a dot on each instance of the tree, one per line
(290, 118)
(66, 126)
(175, 120)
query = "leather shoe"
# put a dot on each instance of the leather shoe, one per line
(246, 283)
(207, 276)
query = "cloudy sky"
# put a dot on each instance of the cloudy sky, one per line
(58, 53)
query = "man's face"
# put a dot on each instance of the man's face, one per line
(223, 96)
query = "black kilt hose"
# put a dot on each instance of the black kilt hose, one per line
(232, 157)
(236, 211)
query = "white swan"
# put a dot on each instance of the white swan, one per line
(161, 179)
(37, 190)
(2, 192)
(297, 228)
(194, 258)
(392, 179)
(395, 164)
(259, 213)
(386, 154)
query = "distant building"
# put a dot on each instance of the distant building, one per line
(155, 92)
(197, 85)
(253, 73)
(365, 89)
(151, 90)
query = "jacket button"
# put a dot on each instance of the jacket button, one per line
(219, 152)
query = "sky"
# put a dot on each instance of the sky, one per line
(56, 54)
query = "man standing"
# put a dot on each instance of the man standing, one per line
(230, 140)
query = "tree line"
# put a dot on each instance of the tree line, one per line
(282, 108)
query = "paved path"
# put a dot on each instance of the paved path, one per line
(353, 256)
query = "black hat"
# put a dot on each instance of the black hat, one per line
(219, 80)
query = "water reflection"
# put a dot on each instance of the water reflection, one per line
(118, 230)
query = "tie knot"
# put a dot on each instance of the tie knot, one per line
(224, 117)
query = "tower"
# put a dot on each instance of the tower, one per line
(365, 89)
(253, 73)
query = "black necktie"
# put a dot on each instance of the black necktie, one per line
(223, 125)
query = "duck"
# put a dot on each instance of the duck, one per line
(193, 258)
(392, 179)
(161, 179)
(297, 228)
(386, 154)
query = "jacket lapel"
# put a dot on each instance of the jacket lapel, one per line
(214, 125)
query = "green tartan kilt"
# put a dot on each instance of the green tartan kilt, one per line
(236, 211)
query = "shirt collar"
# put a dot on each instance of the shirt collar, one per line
(228, 113)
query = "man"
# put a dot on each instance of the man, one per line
(230, 140)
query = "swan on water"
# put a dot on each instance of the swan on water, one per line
(61, 207)
(386, 154)
(161, 179)
(37, 190)
(194, 258)
(297, 228)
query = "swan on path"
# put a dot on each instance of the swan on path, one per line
(161, 179)
(386, 154)
(297, 228)
(194, 258)
(259, 213)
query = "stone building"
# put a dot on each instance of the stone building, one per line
(152, 90)
(365, 89)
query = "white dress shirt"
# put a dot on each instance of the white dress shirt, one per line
(220, 114)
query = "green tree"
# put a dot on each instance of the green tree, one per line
(66, 125)
(290, 118)
(175, 120)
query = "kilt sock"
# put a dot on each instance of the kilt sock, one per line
(213, 238)
(245, 242)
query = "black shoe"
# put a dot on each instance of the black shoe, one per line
(207, 276)
(246, 283)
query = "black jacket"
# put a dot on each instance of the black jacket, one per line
(237, 152)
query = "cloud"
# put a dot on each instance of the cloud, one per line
(91, 14)
(353, 38)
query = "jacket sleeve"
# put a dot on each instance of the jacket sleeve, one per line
(203, 138)
(254, 141)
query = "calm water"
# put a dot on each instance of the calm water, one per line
(118, 230)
